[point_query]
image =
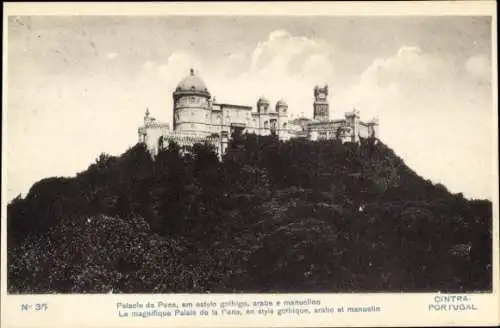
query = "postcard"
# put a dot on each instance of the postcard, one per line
(284, 164)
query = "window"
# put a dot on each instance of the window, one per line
(274, 126)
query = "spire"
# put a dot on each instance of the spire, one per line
(147, 118)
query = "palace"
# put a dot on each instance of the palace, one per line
(199, 119)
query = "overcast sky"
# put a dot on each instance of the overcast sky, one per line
(79, 86)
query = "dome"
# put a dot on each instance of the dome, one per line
(192, 83)
(263, 100)
(281, 103)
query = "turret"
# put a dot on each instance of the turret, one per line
(282, 108)
(262, 105)
(148, 119)
(352, 119)
(373, 125)
(321, 105)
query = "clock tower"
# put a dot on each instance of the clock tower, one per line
(321, 106)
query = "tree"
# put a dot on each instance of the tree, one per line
(270, 216)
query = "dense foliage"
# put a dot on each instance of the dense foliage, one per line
(271, 216)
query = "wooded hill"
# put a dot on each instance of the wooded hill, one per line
(271, 216)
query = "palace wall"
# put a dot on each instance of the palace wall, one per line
(199, 119)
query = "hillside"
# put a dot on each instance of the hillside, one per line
(272, 216)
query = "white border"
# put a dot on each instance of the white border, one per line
(397, 309)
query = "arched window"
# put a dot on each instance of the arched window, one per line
(266, 124)
(274, 126)
(284, 125)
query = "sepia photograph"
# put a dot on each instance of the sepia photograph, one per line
(238, 154)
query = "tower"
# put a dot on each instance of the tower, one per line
(263, 116)
(373, 127)
(321, 106)
(352, 119)
(191, 105)
(282, 110)
(262, 105)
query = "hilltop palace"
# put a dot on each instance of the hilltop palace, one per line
(199, 119)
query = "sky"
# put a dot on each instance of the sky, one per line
(78, 86)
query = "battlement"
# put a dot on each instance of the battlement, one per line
(321, 91)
